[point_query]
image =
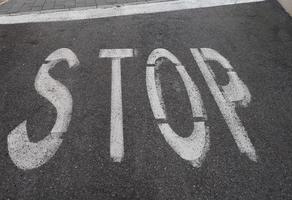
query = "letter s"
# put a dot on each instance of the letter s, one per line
(28, 155)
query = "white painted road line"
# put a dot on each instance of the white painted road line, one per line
(226, 107)
(29, 155)
(194, 147)
(124, 10)
(117, 133)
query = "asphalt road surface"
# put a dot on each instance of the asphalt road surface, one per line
(250, 148)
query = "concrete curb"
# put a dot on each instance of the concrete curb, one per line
(287, 5)
(3, 2)
(82, 8)
(114, 11)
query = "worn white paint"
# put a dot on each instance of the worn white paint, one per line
(235, 92)
(28, 155)
(117, 136)
(123, 10)
(194, 147)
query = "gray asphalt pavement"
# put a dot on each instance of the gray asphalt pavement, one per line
(256, 39)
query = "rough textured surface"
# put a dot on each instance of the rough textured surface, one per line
(257, 40)
(18, 6)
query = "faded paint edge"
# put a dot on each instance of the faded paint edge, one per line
(95, 13)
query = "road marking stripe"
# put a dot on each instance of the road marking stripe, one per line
(117, 126)
(227, 109)
(94, 13)
(194, 147)
(29, 155)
